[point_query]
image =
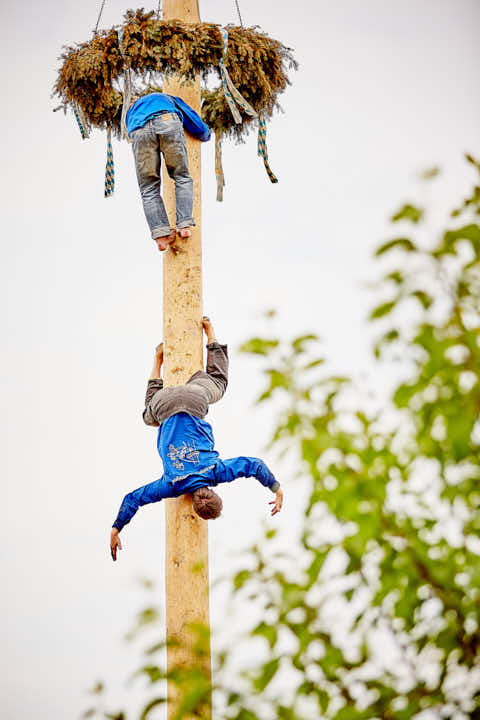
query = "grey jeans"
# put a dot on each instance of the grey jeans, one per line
(203, 389)
(163, 135)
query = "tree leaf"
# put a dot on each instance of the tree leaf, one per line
(396, 276)
(241, 578)
(430, 173)
(299, 344)
(408, 212)
(403, 243)
(382, 310)
(423, 297)
(268, 671)
(259, 346)
(269, 632)
(470, 233)
(150, 706)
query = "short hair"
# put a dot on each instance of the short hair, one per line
(206, 503)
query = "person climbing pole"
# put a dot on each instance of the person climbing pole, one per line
(186, 445)
(155, 124)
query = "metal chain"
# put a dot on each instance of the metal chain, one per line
(99, 16)
(238, 12)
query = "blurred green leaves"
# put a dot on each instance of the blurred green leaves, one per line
(374, 611)
(391, 494)
(259, 346)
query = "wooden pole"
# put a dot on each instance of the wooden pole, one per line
(186, 562)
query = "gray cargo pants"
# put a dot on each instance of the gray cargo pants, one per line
(203, 389)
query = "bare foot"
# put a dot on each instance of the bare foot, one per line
(185, 232)
(165, 241)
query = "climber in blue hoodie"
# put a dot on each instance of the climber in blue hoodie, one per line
(186, 445)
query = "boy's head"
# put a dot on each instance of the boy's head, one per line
(206, 503)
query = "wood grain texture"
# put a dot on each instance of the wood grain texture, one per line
(186, 563)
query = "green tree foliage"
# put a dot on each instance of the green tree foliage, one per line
(398, 490)
(374, 611)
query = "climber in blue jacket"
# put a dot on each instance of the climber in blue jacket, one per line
(186, 445)
(155, 124)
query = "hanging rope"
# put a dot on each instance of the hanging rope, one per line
(109, 167)
(127, 99)
(235, 98)
(99, 16)
(262, 147)
(127, 89)
(232, 95)
(238, 12)
(159, 8)
(218, 165)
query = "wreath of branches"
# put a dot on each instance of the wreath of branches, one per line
(91, 72)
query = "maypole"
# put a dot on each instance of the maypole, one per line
(252, 70)
(186, 547)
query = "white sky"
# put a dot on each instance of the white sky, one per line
(384, 90)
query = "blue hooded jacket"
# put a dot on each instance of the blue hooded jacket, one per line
(149, 105)
(186, 445)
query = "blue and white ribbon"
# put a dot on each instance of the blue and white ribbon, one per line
(234, 98)
(82, 121)
(231, 93)
(262, 147)
(110, 167)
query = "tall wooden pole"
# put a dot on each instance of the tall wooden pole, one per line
(186, 563)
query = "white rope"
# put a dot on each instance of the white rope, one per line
(127, 89)
(218, 165)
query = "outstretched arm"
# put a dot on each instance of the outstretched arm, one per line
(229, 470)
(153, 492)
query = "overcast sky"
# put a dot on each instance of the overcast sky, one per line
(384, 90)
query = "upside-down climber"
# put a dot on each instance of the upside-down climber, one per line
(186, 445)
(155, 124)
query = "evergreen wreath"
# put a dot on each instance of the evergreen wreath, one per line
(91, 72)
